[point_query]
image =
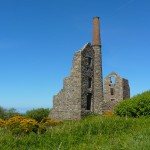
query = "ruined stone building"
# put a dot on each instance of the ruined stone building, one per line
(116, 89)
(82, 91)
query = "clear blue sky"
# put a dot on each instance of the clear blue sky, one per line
(38, 39)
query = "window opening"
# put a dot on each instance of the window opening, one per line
(112, 99)
(112, 91)
(89, 61)
(112, 80)
(89, 98)
(89, 82)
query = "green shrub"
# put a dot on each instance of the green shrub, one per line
(136, 106)
(2, 112)
(38, 114)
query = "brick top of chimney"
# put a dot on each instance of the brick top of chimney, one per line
(96, 32)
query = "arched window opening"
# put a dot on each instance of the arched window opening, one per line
(112, 80)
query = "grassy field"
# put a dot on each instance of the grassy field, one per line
(90, 133)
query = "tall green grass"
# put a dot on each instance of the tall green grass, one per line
(90, 133)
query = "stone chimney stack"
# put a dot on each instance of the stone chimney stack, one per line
(98, 79)
(96, 32)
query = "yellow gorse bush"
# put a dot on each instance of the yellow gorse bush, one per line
(29, 125)
(108, 114)
(20, 124)
(14, 121)
(49, 122)
(52, 122)
(2, 123)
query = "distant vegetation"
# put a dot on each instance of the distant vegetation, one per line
(38, 114)
(136, 106)
(7, 113)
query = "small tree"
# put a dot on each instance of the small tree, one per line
(7, 113)
(2, 112)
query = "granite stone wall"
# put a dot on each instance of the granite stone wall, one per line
(126, 89)
(87, 80)
(116, 89)
(98, 81)
(67, 103)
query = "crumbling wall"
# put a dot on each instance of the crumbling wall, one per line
(67, 103)
(126, 89)
(116, 89)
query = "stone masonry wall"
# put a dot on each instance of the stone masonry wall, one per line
(98, 81)
(67, 103)
(126, 89)
(116, 89)
(87, 81)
